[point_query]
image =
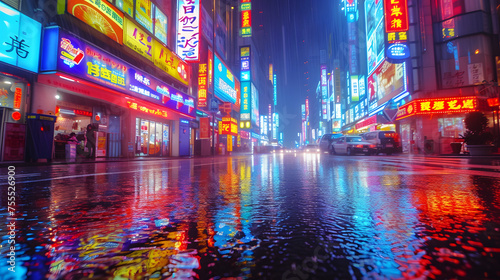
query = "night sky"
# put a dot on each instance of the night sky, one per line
(294, 32)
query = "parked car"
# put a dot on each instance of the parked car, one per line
(351, 145)
(385, 141)
(325, 144)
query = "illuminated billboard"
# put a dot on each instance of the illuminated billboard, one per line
(137, 39)
(255, 106)
(224, 83)
(245, 101)
(85, 61)
(144, 13)
(246, 18)
(188, 30)
(21, 39)
(375, 35)
(386, 82)
(396, 15)
(444, 105)
(101, 15)
(245, 64)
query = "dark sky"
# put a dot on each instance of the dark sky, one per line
(297, 31)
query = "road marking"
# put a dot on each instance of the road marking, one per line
(109, 173)
(20, 175)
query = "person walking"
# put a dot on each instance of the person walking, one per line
(91, 140)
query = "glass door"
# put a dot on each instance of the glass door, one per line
(159, 132)
(165, 143)
(152, 138)
(144, 137)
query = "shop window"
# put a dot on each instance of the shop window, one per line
(165, 143)
(465, 61)
(144, 138)
(451, 127)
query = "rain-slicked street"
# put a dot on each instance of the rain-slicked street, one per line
(282, 216)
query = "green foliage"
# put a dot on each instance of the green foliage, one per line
(477, 132)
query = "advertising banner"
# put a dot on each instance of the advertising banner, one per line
(188, 30)
(386, 82)
(354, 89)
(375, 36)
(202, 85)
(245, 101)
(137, 39)
(204, 128)
(85, 61)
(207, 26)
(11, 95)
(438, 106)
(101, 15)
(255, 106)
(169, 62)
(228, 126)
(144, 14)
(161, 26)
(245, 64)
(20, 43)
(396, 15)
(14, 139)
(224, 84)
(246, 18)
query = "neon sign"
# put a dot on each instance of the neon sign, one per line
(228, 126)
(246, 18)
(438, 106)
(147, 110)
(188, 32)
(396, 15)
(202, 85)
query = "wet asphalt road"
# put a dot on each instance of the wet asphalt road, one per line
(290, 216)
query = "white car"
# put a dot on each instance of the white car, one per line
(351, 145)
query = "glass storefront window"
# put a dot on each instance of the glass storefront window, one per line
(164, 146)
(465, 61)
(450, 8)
(451, 127)
(158, 138)
(153, 138)
(144, 137)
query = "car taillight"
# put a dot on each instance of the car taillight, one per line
(372, 146)
(359, 146)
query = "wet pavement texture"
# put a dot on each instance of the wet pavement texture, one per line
(282, 216)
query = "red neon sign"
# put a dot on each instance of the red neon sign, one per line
(396, 15)
(246, 18)
(438, 106)
(83, 113)
(202, 85)
(147, 110)
(18, 95)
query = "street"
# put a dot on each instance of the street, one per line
(272, 216)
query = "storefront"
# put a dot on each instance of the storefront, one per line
(430, 125)
(19, 61)
(131, 112)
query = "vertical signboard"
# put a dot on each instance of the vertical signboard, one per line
(245, 105)
(224, 82)
(20, 43)
(324, 92)
(246, 18)
(275, 91)
(245, 64)
(255, 106)
(375, 39)
(204, 128)
(188, 30)
(396, 26)
(354, 89)
(202, 85)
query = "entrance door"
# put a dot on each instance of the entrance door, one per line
(114, 139)
(184, 138)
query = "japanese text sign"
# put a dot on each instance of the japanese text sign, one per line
(396, 15)
(20, 43)
(138, 39)
(202, 85)
(188, 31)
(169, 62)
(224, 82)
(245, 101)
(228, 126)
(438, 106)
(82, 60)
(99, 14)
(246, 18)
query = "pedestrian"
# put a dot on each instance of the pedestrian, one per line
(91, 140)
(72, 139)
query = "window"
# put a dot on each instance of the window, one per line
(465, 61)
(451, 127)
